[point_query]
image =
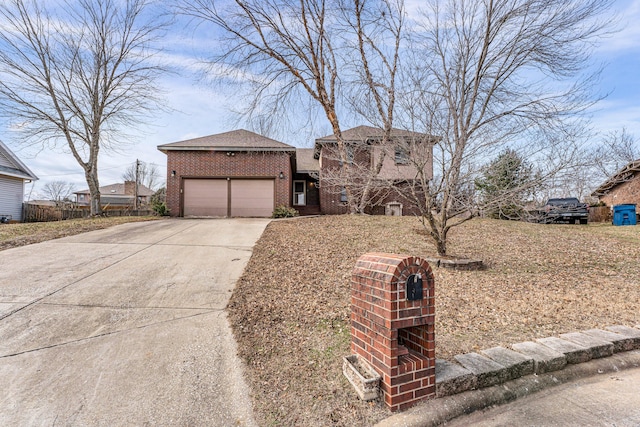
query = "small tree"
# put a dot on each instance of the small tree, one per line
(505, 186)
(158, 202)
(148, 174)
(57, 191)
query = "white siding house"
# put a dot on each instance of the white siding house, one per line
(13, 174)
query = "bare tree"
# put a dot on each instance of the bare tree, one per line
(76, 75)
(57, 191)
(616, 150)
(308, 49)
(148, 175)
(496, 74)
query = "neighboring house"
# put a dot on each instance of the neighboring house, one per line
(122, 194)
(13, 175)
(243, 174)
(622, 188)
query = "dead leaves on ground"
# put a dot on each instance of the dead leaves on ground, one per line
(290, 311)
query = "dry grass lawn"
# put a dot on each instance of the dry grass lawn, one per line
(290, 310)
(21, 234)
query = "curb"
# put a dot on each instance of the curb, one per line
(435, 412)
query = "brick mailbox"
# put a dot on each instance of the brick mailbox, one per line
(392, 325)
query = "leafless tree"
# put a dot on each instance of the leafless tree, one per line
(616, 150)
(493, 74)
(57, 191)
(295, 52)
(74, 74)
(148, 175)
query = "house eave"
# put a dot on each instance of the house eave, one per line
(17, 174)
(165, 149)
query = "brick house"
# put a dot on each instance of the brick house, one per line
(363, 149)
(243, 174)
(13, 175)
(622, 188)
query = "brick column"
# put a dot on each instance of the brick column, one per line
(394, 334)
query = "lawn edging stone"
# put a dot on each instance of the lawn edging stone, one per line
(487, 371)
(574, 353)
(452, 378)
(498, 365)
(620, 342)
(597, 347)
(544, 358)
(517, 364)
(633, 333)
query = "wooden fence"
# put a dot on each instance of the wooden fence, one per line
(43, 213)
(600, 214)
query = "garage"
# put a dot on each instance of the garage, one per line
(222, 197)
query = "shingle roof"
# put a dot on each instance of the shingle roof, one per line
(623, 175)
(20, 170)
(305, 161)
(361, 133)
(118, 190)
(236, 140)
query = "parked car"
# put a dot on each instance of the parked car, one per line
(568, 209)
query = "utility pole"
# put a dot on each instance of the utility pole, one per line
(135, 191)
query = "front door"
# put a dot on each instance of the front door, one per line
(299, 193)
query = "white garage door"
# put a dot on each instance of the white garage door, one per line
(210, 197)
(205, 197)
(252, 197)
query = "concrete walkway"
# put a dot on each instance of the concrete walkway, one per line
(125, 326)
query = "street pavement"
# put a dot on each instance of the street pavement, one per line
(125, 326)
(601, 400)
(601, 392)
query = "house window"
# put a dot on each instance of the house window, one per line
(349, 153)
(299, 193)
(343, 195)
(402, 156)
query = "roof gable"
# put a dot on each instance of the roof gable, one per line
(370, 134)
(237, 140)
(10, 165)
(623, 175)
(363, 133)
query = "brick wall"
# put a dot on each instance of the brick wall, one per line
(625, 193)
(330, 199)
(395, 335)
(217, 164)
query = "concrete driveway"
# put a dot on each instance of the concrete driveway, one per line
(125, 326)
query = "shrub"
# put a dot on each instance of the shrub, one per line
(160, 209)
(284, 212)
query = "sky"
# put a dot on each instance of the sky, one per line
(197, 109)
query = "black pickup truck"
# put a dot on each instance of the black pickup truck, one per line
(565, 210)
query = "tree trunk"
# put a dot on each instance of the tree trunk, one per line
(94, 191)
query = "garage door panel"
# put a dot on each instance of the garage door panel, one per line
(252, 198)
(205, 197)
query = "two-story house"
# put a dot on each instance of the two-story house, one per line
(243, 174)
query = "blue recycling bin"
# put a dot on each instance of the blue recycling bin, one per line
(624, 215)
